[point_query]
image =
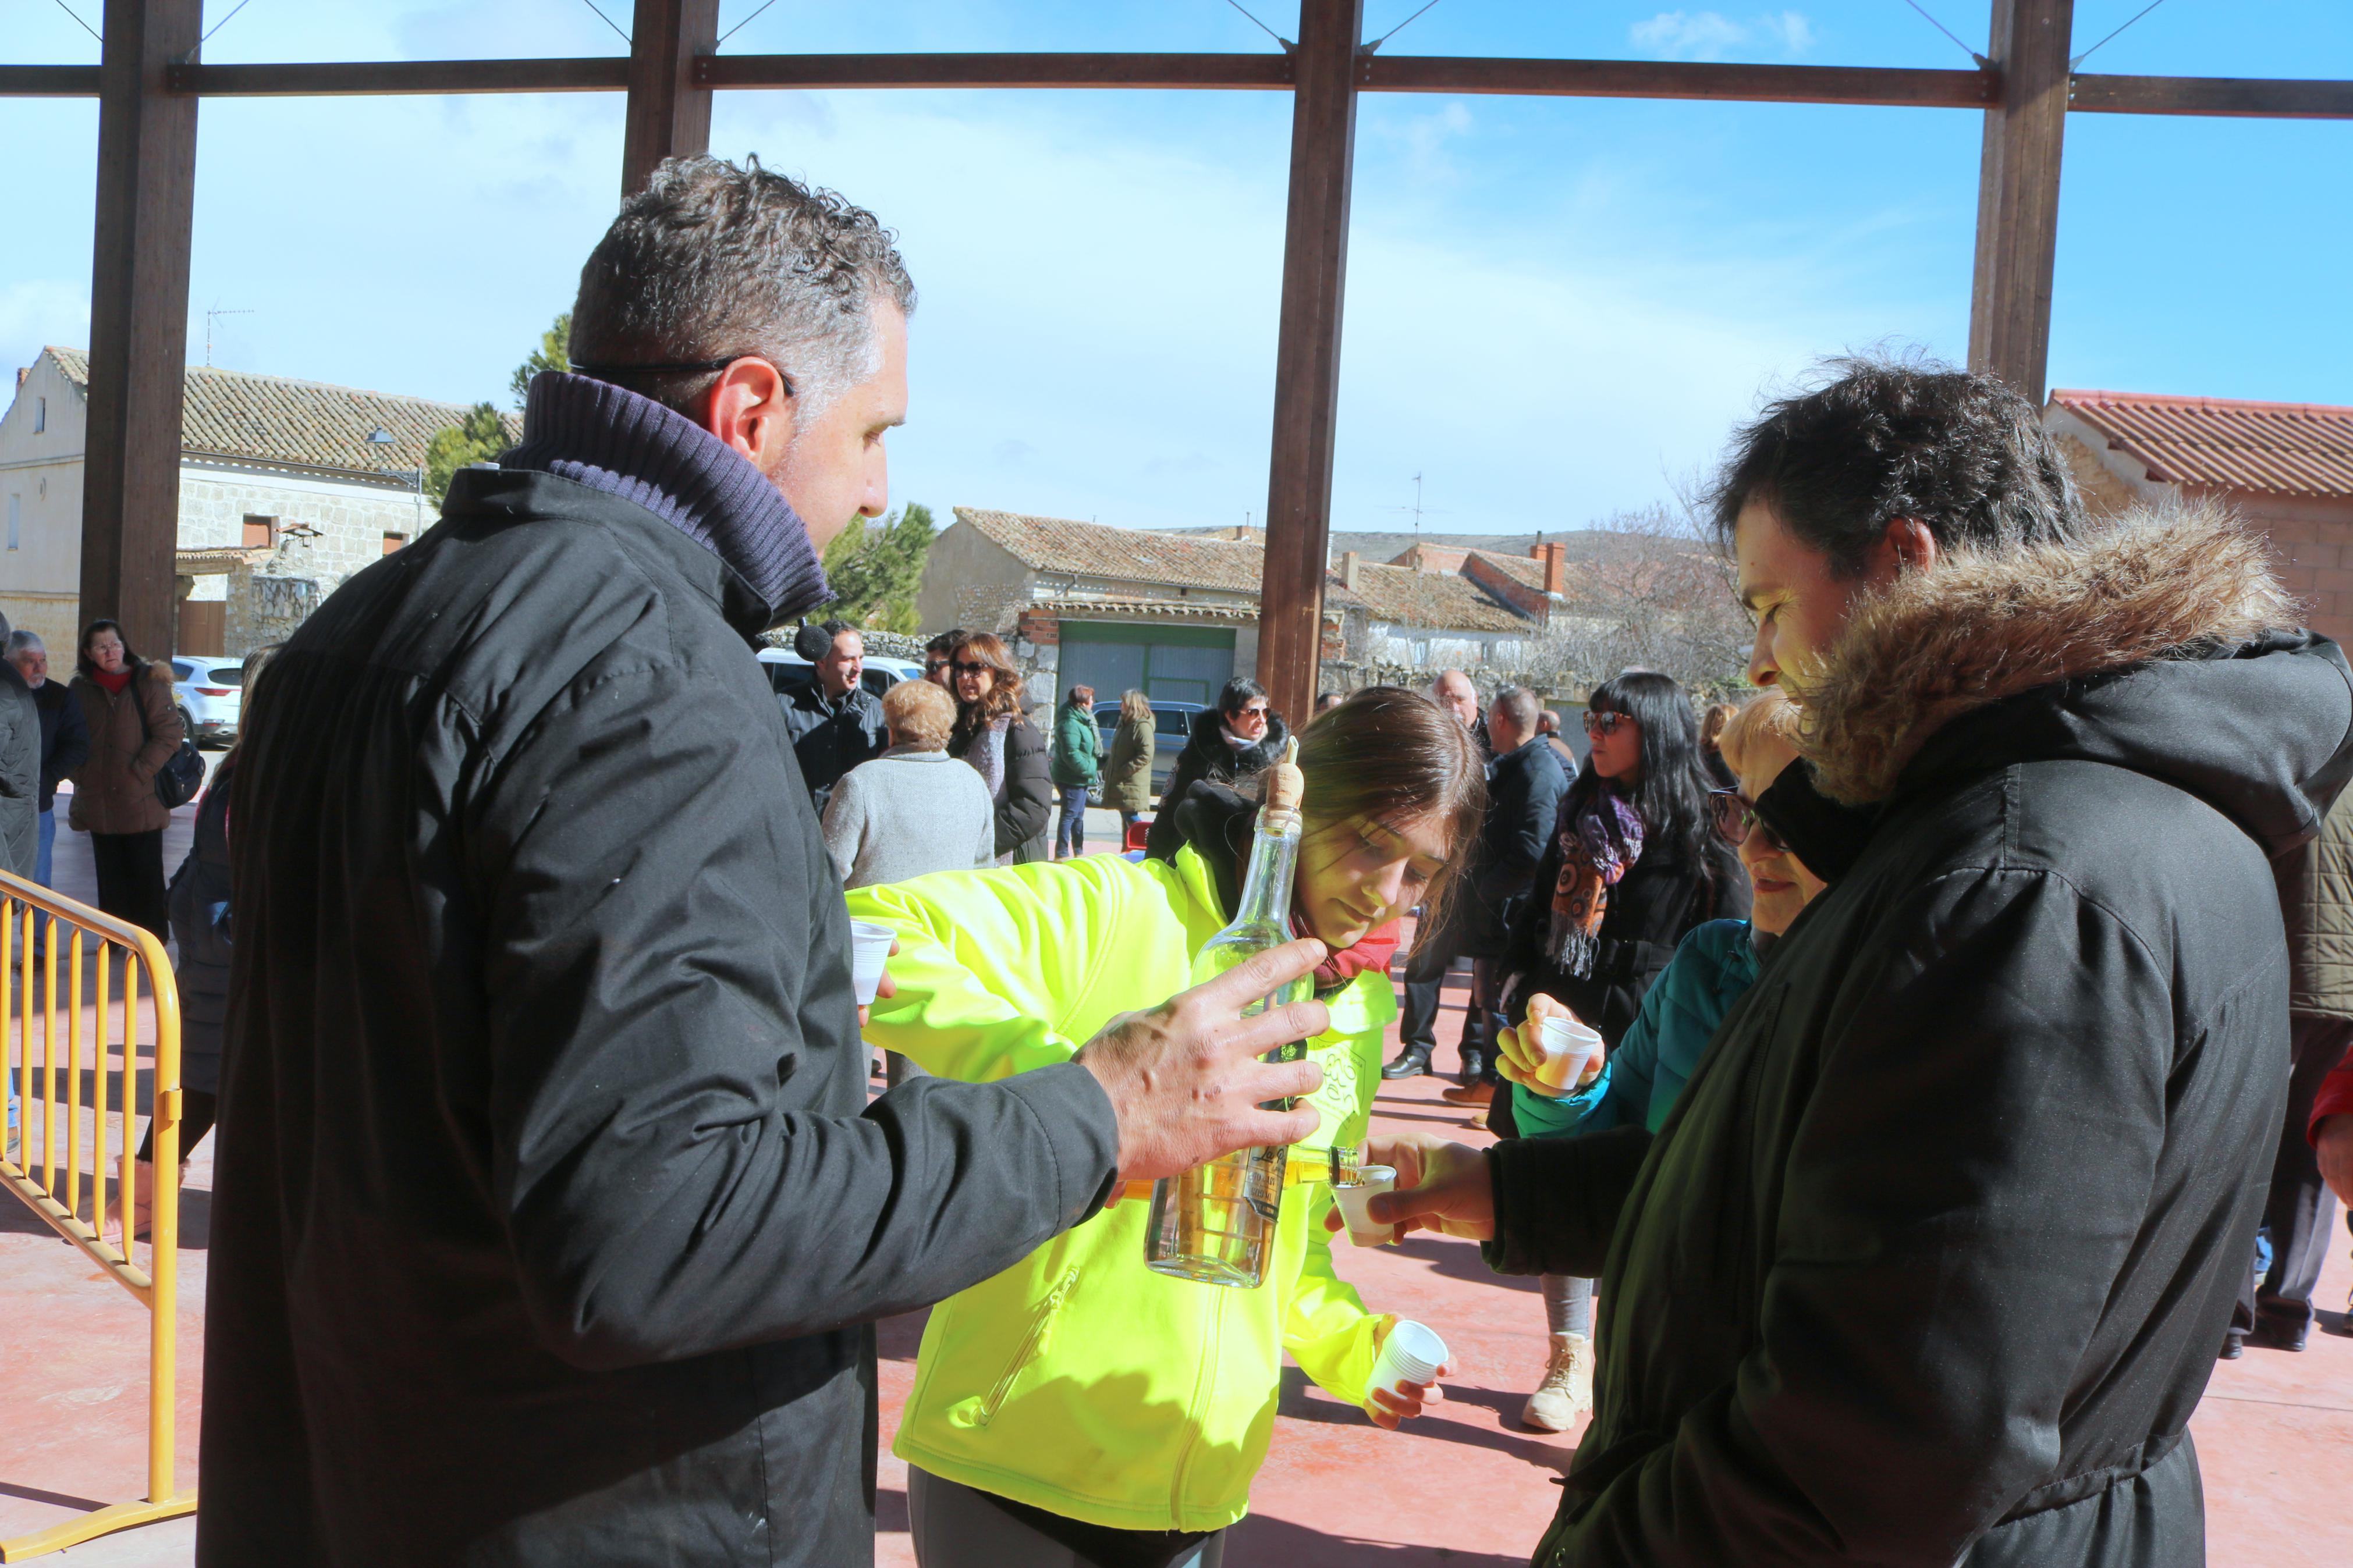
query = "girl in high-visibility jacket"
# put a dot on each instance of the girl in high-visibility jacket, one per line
(1078, 1408)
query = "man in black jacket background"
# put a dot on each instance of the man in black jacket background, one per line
(835, 722)
(1524, 784)
(550, 1212)
(1930, 1263)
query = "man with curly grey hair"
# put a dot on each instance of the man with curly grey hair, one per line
(551, 1210)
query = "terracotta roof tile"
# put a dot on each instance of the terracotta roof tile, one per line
(1523, 568)
(2280, 449)
(1442, 601)
(309, 424)
(1394, 594)
(1121, 555)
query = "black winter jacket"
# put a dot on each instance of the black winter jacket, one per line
(1025, 796)
(1931, 1261)
(198, 905)
(550, 1208)
(1524, 791)
(830, 737)
(1651, 910)
(1208, 756)
(65, 736)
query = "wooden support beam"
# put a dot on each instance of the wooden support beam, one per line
(1679, 78)
(139, 321)
(357, 78)
(1141, 70)
(669, 112)
(2244, 97)
(1307, 354)
(48, 82)
(2018, 193)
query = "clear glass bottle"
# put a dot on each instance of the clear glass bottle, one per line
(1215, 1224)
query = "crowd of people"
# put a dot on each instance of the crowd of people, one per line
(1969, 1003)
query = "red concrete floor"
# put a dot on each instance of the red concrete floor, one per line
(1464, 1486)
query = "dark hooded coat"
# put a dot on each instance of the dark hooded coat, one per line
(1930, 1264)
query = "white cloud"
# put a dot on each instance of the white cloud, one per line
(1713, 35)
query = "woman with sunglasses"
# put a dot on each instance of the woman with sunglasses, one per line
(1641, 1080)
(1004, 748)
(1078, 1410)
(1229, 743)
(1634, 866)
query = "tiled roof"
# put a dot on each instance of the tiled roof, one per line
(1394, 594)
(1524, 568)
(1123, 554)
(1158, 609)
(275, 419)
(2280, 449)
(1401, 597)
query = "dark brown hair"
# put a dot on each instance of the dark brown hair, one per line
(1004, 694)
(1395, 755)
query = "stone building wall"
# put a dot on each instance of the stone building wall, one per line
(351, 519)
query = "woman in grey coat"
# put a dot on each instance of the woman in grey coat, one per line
(914, 809)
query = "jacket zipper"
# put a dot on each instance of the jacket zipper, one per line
(1026, 1351)
(1195, 1413)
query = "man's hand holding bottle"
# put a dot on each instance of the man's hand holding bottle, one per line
(1186, 1079)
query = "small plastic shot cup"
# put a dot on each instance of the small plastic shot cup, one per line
(1567, 1046)
(1362, 1229)
(1411, 1354)
(869, 945)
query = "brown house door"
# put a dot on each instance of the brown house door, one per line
(203, 627)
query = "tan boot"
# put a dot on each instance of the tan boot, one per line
(1566, 1391)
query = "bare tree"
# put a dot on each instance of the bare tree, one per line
(1664, 599)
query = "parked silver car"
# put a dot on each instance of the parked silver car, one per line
(209, 692)
(1172, 726)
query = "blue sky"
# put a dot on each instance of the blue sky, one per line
(1555, 309)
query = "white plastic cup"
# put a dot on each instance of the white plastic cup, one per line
(1411, 1354)
(1566, 1046)
(869, 945)
(1363, 1229)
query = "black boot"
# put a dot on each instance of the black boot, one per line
(1411, 1062)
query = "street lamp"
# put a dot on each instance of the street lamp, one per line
(380, 437)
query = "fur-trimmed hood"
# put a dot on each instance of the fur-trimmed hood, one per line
(2187, 582)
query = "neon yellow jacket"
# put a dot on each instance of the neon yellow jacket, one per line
(1077, 1381)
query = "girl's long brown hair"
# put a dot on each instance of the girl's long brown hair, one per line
(1004, 694)
(1394, 755)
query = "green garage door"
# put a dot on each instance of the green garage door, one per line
(1168, 664)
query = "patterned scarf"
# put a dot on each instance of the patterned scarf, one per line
(1597, 847)
(986, 755)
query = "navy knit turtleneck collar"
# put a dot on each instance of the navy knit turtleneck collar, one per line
(611, 439)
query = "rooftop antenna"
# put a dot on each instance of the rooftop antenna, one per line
(210, 317)
(1419, 510)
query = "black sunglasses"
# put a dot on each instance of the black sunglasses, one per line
(1605, 723)
(968, 667)
(1737, 818)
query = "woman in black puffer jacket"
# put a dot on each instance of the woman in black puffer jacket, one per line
(1229, 743)
(1006, 749)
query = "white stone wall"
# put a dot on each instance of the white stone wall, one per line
(351, 519)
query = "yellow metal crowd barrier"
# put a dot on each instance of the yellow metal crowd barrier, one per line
(75, 1044)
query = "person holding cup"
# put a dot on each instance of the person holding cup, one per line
(1079, 1408)
(1632, 865)
(1639, 1081)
